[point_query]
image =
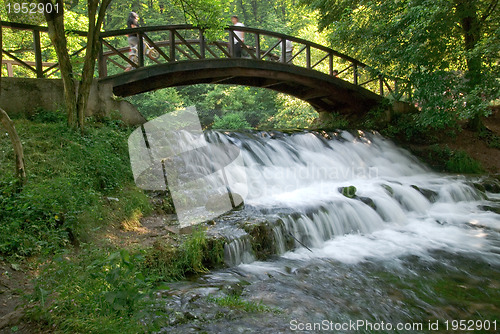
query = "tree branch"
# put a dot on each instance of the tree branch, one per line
(16, 144)
(491, 9)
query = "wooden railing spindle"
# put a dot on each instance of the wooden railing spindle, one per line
(38, 54)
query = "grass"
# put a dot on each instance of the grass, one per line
(236, 302)
(193, 256)
(69, 178)
(110, 290)
(95, 286)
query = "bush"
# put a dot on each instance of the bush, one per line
(69, 176)
(454, 161)
(231, 121)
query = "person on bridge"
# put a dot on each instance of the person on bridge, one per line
(288, 51)
(133, 39)
(239, 34)
(133, 22)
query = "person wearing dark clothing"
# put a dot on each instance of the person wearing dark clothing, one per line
(132, 22)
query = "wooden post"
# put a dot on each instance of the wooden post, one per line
(102, 66)
(231, 43)
(330, 63)
(202, 44)
(38, 53)
(172, 45)
(308, 57)
(140, 50)
(10, 70)
(381, 84)
(283, 51)
(257, 45)
(355, 67)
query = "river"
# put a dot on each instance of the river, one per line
(381, 244)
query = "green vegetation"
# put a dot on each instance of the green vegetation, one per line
(447, 49)
(91, 291)
(106, 290)
(167, 262)
(69, 177)
(236, 302)
(80, 184)
(349, 192)
(230, 122)
(453, 161)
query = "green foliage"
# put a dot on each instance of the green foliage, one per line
(95, 291)
(349, 192)
(230, 122)
(454, 78)
(41, 115)
(255, 105)
(406, 127)
(491, 138)
(454, 161)
(68, 177)
(292, 113)
(236, 302)
(167, 262)
(157, 103)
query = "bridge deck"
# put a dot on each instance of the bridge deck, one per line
(175, 55)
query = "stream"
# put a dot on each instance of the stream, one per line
(369, 240)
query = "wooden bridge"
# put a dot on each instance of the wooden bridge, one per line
(177, 55)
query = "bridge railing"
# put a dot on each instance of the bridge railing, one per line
(34, 55)
(170, 43)
(175, 43)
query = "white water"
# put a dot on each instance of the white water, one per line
(302, 173)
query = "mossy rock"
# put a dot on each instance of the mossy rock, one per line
(349, 192)
(495, 209)
(368, 201)
(389, 189)
(427, 193)
(213, 252)
(263, 241)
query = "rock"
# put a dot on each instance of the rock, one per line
(368, 201)
(349, 192)
(388, 189)
(220, 202)
(427, 193)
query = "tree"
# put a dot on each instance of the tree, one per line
(456, 41)
(16, 144)
(76, 99)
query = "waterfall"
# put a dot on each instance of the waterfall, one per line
(300, 177)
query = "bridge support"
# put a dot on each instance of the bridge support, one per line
(48, 94)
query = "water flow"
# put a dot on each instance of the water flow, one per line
(409, 246)
(398, 207)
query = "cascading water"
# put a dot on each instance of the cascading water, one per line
(377, 234)
(301, 178)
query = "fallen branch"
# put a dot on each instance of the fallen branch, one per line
(16, 144)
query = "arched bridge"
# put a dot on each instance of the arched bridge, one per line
(177, 55)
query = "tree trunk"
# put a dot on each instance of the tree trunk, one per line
(55, 23)
(16, 144)
(467, 16)
(90, 56)
(471, 31)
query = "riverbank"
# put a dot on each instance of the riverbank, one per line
(96, 260)
(449, 150)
